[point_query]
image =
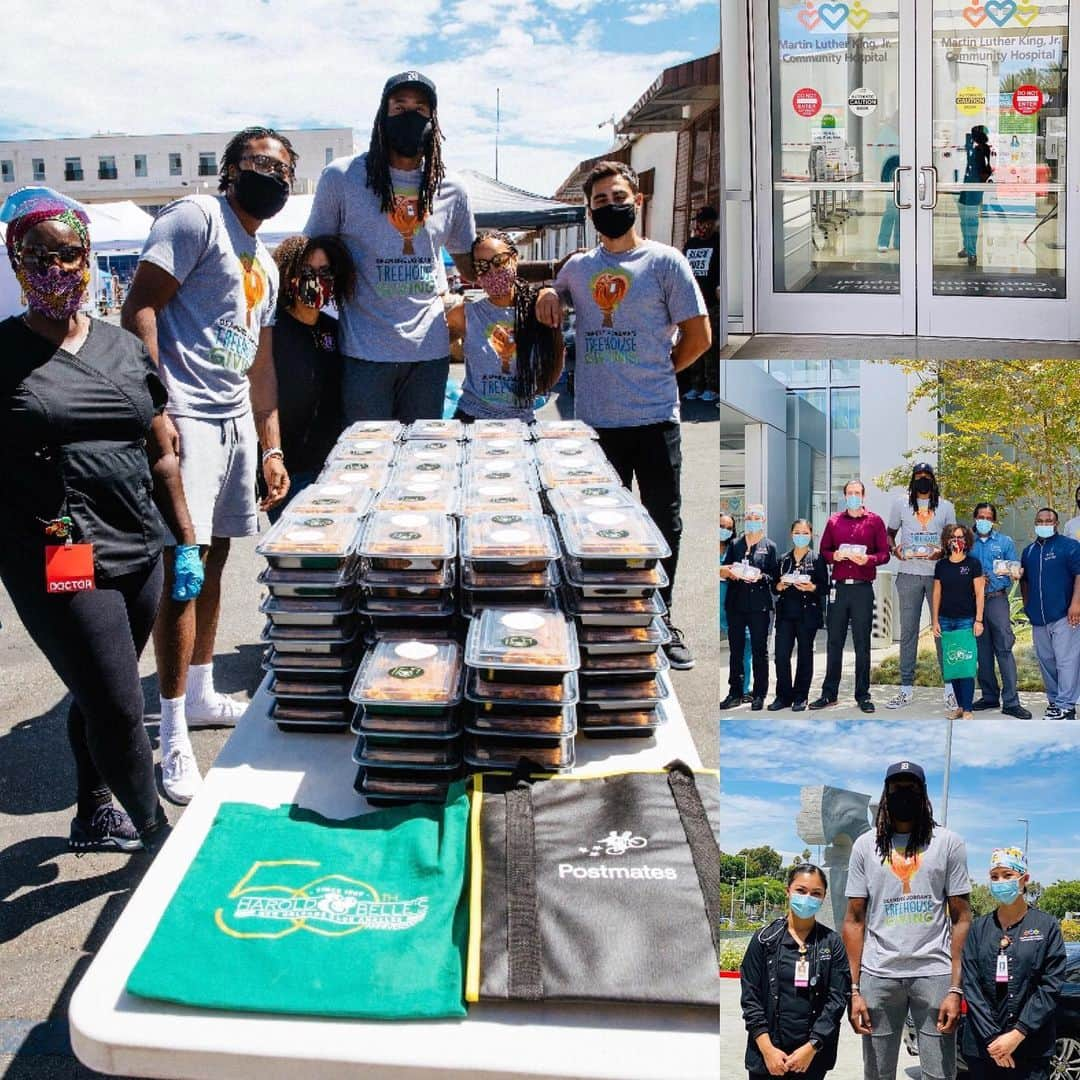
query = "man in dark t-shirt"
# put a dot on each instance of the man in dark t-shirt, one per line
(702, 379)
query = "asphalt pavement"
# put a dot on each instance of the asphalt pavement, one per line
(56, 909)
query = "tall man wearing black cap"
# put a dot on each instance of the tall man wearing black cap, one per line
(395, 208)
(907, 918)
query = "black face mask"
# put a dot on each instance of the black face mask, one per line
(408, 133)
(615, 219)
(904, 804)
(923, 486)
(260, 195)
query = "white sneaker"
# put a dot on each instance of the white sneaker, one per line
(903, 697)
(180, 775)
(218, 711)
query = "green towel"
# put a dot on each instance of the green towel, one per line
(286, 911)
(959, 655)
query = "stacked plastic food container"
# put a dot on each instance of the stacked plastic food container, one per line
(313, 627)
(520, 688)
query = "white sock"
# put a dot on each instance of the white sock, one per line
(173, 730)
(200, 682)
(907, 689)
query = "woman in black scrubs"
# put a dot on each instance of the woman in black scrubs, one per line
(90, 470)
(1012, 970)
(800, 614)
(795, 986)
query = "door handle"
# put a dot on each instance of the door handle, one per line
(929, 170)
(896, 187)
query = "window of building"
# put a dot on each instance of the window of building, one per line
(176, 165)
(7, 171)
(73, 168)
(140, 165)
(329, 155)
(697, 171)
(208, 163)
(106, 168)
(39, 168)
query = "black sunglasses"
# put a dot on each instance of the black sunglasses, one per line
(66, 255)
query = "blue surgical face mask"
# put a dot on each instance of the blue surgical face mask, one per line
(984, 526)
(853, 502)
(801, 540)
(806, 907)
(1044, 532)
(1005, 892)
(755, 526)
(725, 534)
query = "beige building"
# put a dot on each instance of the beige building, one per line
(151, 170)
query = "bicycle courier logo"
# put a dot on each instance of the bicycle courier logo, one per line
(616, 844)
(276, 899)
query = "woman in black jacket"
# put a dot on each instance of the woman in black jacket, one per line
(801, 588)
(751, 565)
(1012, 969)
(795, 986)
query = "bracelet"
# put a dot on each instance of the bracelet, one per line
(274, 451)
(956, 990)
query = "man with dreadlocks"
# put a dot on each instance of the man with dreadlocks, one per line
(907, 918)
(510, 356)
(395, 208)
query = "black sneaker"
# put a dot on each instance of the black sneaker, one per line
(757, 704)
(732, 701)
(1053, 713)
(1018, 711)
(822, 702)
(1068, 714)
(866, 705)
(109, 829)
(982, 705)
(799, 706)
(678, 652)
(777, 704)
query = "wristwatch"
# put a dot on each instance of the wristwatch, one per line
(815, 1042)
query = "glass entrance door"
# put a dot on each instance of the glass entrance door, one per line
(913, 167)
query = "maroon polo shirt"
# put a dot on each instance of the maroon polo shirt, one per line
(866, 529)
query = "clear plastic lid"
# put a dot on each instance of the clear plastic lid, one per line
(406, 534)
(497, 496)
(591, 497)
(331, 497)
(563, 429)
(363, 450)
(512, 471)
(577, 451)
(436, 429)
(554, 474)
(308, 605)
(429, 496)
(525, 639)
(576, 575)
(361, 473)
(311, 534)
(625, 533)
(417, 451)
(1005, 567)
(380, 430)
(500, 449)
(497, 429)
(508, 535)
(423, 672)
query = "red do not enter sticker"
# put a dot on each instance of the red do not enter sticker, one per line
(806, 102)
(1027, 100)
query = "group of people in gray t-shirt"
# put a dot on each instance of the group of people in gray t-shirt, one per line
(205, 297)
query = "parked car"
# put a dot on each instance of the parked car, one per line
(1065, 1064)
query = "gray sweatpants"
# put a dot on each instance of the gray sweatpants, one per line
(1057, 645)
(911, 591)
(889, 1002)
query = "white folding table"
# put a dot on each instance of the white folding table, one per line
(116, 1033)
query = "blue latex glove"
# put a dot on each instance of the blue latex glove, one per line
(188, 572)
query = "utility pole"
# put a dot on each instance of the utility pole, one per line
(948, 771)
(1027, 829)
(745, 867)
(498, 120)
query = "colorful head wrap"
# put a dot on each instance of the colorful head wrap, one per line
(29, 206)
(1009, 858)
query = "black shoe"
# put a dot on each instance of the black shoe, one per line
(107, 829)
(757, 704)
(732, 701)
(799, 706)
(982, 705)
(777, 704)
(747, 699)
(822, 702)
(1068, 714)
(678, 652)
(972, 260)
(1013, 710)
(866, 705)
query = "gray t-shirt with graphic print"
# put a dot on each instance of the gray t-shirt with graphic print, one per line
(908, 929)
(490, 363)
(626, 307)
(208, 332)
(913, 531)
(396, 315)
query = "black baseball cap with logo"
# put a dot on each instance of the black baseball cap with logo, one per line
(906, 768)
(411, 78)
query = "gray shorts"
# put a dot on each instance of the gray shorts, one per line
(218, 459)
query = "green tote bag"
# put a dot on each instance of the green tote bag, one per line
(285, 911)
(959, 655)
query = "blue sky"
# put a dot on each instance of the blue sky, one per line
(564, 67)
(1001, 771)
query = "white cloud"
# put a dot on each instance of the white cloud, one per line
(652, 12)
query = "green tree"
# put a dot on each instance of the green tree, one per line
(1008, 433)
(765, 890)
(982, 902)
(731, 866)
(1060, 897)
(764, 861)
